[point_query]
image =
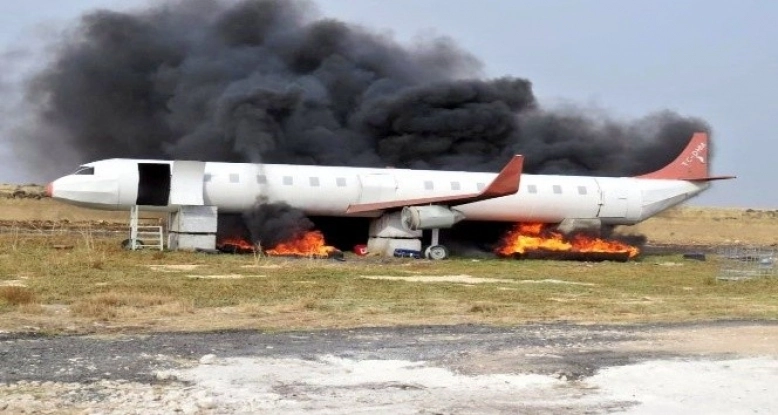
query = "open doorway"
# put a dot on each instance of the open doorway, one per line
(153, 184)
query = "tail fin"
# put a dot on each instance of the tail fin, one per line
(691, 164)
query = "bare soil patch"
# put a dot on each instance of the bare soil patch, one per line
(743, 340)
(174, 267)
(555, 281)
(464, 279)
(223, 276)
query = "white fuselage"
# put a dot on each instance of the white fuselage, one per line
(329, 191)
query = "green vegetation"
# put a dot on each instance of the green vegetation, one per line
(78, 283)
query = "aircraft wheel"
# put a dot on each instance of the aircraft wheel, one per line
(436, 252)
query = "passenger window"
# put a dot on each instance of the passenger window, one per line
(288, 181)
(532, 188)
(557, 189)
(234, 178)
(341, 181)
(428, 185)
(314, 181)
(261, 179)
(455, 186)
(581, 190)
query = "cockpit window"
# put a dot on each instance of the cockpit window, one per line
(85, 171)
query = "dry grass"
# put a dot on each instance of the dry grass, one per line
(125, 293)
(96, 285)
(15, 295)
(711, 226)
(110, 304)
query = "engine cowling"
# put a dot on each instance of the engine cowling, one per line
(416, 218)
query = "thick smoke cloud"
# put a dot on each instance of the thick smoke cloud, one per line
(270, 81)
(267, 80)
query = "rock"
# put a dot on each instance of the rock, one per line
(208, 359)
(206, 402)
(164, 376)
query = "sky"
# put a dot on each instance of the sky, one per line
(713, 59)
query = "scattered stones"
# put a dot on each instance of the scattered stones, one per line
(105, 397)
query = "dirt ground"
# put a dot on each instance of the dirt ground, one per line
(716, 368)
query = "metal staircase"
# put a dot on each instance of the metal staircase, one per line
(144, 236)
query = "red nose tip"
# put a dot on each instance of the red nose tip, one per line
(49, 190)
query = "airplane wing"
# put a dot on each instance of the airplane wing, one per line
(506, 183)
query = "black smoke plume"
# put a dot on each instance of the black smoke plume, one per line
(270, 81)
(267, 80)
(272, 223)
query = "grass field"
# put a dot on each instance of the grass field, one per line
(97, 287)
(79, 282)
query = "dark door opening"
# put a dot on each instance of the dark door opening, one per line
(154, 184)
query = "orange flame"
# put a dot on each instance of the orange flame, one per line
(526, 237)
(308, 244)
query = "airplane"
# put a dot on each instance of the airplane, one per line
(402, 202)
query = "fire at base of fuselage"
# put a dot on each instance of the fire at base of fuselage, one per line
(538, 241)
(494, 239)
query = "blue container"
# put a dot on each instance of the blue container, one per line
(407, 253)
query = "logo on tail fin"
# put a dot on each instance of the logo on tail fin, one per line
(697, 153)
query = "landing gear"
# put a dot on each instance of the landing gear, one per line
(436, 251)
(390, 235)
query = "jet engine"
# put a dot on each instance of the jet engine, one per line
(416, 218)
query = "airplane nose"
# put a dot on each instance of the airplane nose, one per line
(50, 189)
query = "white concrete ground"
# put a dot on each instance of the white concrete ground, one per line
(330, 385)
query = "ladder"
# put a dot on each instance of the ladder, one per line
(144, 236)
